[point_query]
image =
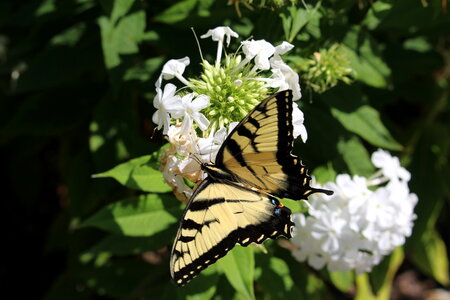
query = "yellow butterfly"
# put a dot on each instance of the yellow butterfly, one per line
(236, 203)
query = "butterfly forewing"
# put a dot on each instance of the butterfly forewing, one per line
(258, 151)
(219, 216)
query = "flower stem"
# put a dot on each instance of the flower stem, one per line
(242, 64)
(219, 53)
(182, 79)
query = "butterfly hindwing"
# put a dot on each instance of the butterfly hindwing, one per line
(218, 217)
(258, 150)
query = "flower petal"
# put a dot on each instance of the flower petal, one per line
(174, 67)
(283, 48)
(217, 34)
(201, 120)
(199, 103)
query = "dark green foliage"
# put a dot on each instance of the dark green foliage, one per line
(76, 88)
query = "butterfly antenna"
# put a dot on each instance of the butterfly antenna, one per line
(196, 158)
(198, 43)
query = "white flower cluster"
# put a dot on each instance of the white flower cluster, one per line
(182, 112)
(363, 221)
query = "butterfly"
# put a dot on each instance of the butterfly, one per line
(237, 202)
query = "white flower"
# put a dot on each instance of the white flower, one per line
(390, 165)
(297, 122)
(175, 68)
(191, 111)
(191, 169)
(165, 102)
(283, 48)
(184, 142)
(222, 133)
(172, 175)
(259, 50)
(286, 78)
(283, 77)
(328, 229)
(355, 227)
(158, 82)
(217, 34)
(277, 80)
(208, 147)
(309, 246)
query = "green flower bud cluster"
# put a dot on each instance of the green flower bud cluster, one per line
(233, 92)
(325, 69)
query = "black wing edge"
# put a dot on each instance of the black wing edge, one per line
(299, 179)
(280, 224)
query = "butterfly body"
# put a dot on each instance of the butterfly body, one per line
(236, 203)
(218, 174)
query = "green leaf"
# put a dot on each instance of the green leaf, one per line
(365, 58)
(295, 206)
(69, 37)
(138, 173)
(344, 281)
(382, 275)
(310, 286)
(46, 7)
(121, 38)
(377, 11)
(119, 278)
(275, 278)
(296, 20)
(138, 216)
(117, 244)
(324, 173)
(430, 255)
(239, 267)
(177, 12)
(365, 121)
(293, 22)
(120, 8)
(419, 44)
(356, 157)
(129, 32)
(202, 287)
(143, 72)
